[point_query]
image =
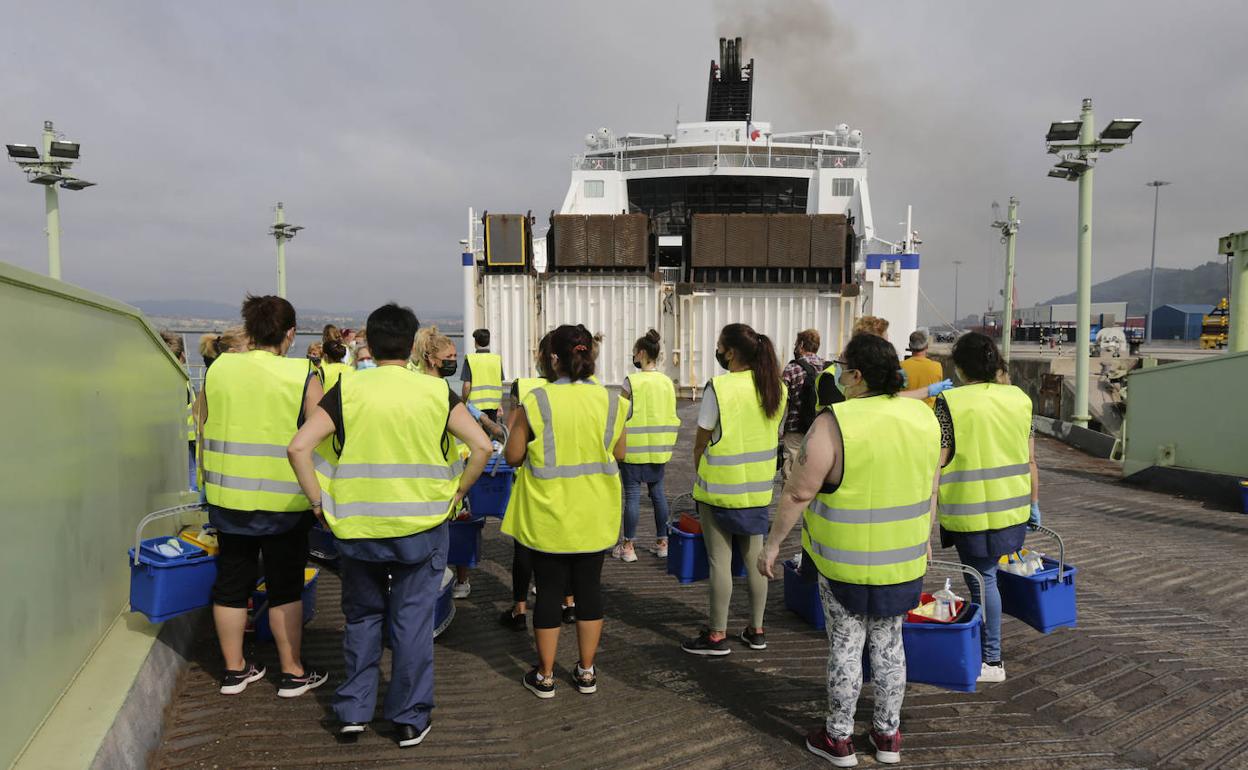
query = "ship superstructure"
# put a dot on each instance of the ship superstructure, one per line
(720, 220)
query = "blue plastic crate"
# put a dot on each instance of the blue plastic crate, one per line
(1043, 600)
(465, 544)
(260, 604)
(489, 495)
(686, 557)
(945, 655)
(163, 587)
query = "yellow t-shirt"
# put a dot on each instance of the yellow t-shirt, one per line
(921, 372)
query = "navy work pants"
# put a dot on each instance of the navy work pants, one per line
(409, 609)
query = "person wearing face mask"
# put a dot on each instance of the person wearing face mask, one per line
(989, 484)
(735, 456)
(651, 427)
(253, 403)
(864, 486)
(827, 385)
(364, 359)
(566, 441)
(437, 357)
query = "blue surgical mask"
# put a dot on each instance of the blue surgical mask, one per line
(837, 372)
(367, 363)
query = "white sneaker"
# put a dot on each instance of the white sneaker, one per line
(661, 550)
(461, 590)
(625, 552)
(989, 673)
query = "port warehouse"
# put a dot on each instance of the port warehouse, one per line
(1171, 321)
(779, 273)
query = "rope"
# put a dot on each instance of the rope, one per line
(935, 309)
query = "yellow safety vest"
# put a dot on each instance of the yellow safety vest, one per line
(190, 412)
(394, 475)
(652, 425)
(254, 399)
(739, 469)
(829, 371)
(987, 484)
(331, 373)
(594, 379)
(487, 380)
(525, 385)
(874, 529)
(567, 494)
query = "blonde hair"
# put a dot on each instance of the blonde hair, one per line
(208, 346)
(429, 342)
(869, 324)
(233, 340)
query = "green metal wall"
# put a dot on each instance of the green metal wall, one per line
(94, 437)
(1189, 415)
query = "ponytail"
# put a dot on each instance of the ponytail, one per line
(757, 351)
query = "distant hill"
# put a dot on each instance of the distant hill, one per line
(1203, 285)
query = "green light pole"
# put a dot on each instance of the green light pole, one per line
(282, 232)
(1009, 229)
(47, 167)
(1077, 145)
(1235, 246)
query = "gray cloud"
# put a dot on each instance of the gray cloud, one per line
(379, 123)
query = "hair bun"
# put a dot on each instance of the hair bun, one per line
(652, 335)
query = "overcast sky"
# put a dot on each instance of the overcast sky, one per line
(379, 123)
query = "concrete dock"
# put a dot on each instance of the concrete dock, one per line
(1153, 677)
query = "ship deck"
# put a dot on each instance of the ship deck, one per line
(1153, 677)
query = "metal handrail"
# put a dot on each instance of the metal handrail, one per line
(757, 158)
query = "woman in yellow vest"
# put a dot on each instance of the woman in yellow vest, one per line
(651, 427)
(735, 456)
(252, 405)
(566, 441)
(864, 485)
(989, 485)
(376, 459)
(333, 362)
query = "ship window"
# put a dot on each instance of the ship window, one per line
(594, 188)
(669, 201)
(843, 187)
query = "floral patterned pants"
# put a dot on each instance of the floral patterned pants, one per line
(847, 633)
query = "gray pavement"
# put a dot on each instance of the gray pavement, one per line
(1153, 677)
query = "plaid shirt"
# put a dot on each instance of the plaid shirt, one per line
(794, 377)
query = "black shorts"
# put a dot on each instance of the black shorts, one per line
(238, 566)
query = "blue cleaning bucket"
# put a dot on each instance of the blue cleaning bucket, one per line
(686, 551)
(1046, 600)
(465, 542)
(491, 492)
(163, 587)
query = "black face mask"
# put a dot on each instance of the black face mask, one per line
(448, 368)
(721, 359)
(636, 364)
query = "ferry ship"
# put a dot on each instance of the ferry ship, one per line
(721, 220)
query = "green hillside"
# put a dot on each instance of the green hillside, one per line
(1203, 285)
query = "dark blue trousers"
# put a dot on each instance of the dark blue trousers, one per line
(413, 592)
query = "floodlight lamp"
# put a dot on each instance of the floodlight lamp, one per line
(1064, 131)
(1120, 129)
(77, 184)
(46, 179)
(1075, 164)
(1059, 173)
(22, 152)
(67, 150)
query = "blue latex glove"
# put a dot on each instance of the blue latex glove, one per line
(936, 388)
(1033, 521)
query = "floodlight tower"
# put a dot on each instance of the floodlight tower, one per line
(282, 232)
(48, 168)
(1076, 144)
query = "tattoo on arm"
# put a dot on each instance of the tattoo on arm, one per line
(801, 454)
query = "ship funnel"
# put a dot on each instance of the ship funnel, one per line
(730, 91)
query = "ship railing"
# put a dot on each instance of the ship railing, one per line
(755, 159)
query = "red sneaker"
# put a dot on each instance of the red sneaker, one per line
(840, 751)
(887, 747)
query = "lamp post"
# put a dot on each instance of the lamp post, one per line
(47, 168)
(956, 264)
(1076, 144)
(1156, 184)
(1009, 229)
(282, 232)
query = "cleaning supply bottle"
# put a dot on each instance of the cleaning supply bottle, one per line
(946, 603)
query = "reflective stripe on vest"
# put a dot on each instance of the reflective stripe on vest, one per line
(874, 529)
(987, 484)
(254, 400)
(526, 385)
(487, 380)
(567, 495)
(652, 424)
(738, 470)
(394, 476)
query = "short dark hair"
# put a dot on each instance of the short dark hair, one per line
(391, 332)
(481, 337)
(977, 356)
(875, 359)
(267, 319)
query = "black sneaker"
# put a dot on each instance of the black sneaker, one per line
(542, 688)
(234, 682)
(586, 682)
(755, 640)
(407, 735)
(702, 645)
(293, 686)
(352, 728)
(569, 613)
(511, 621)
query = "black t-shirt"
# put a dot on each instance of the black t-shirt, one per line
(332, 404)
(827, 391)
